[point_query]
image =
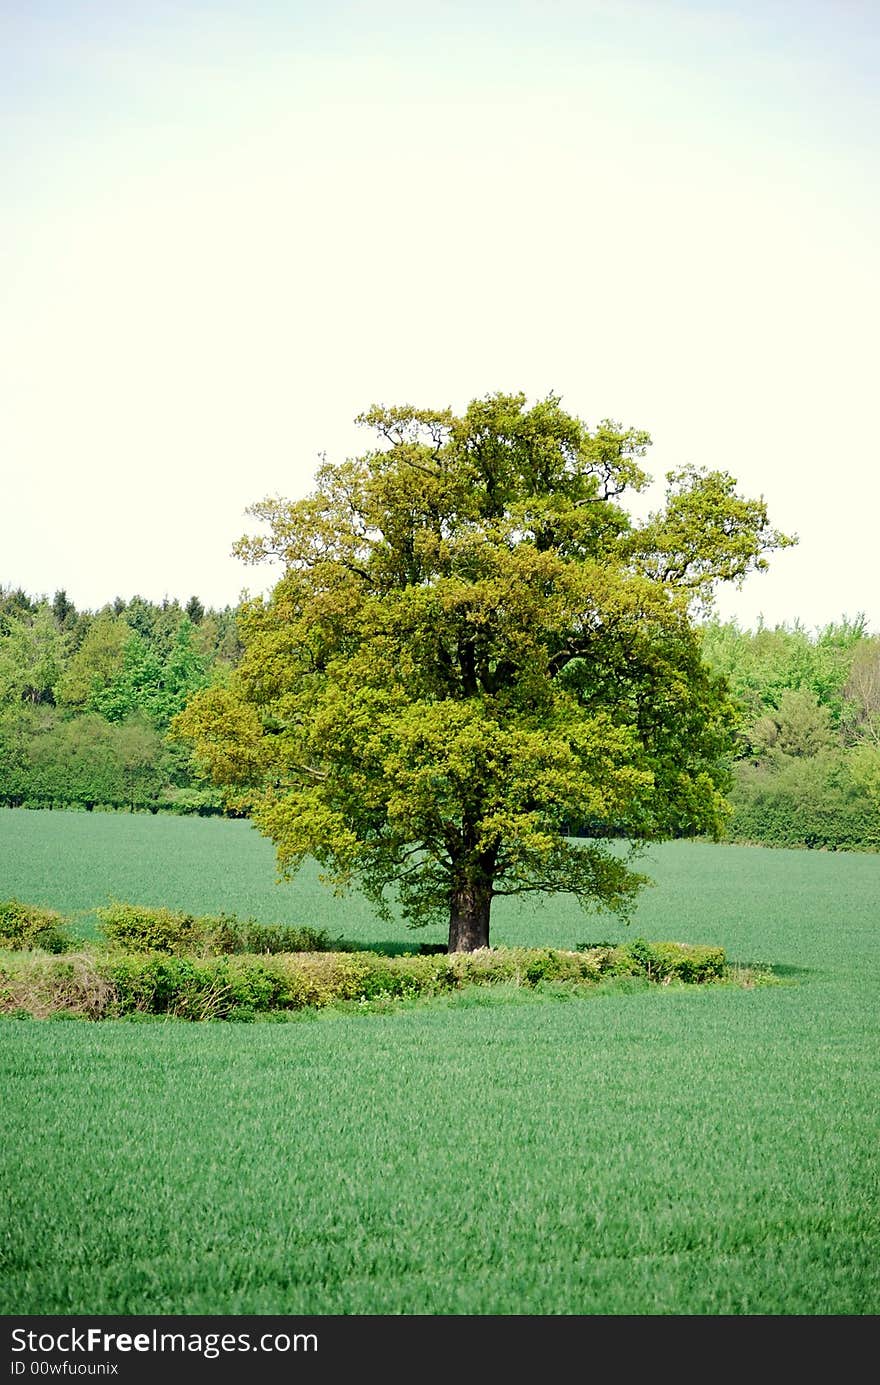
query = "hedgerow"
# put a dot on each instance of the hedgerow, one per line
(110, 983)
(137, 928)
(30, 926)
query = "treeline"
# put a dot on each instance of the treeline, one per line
(86, 698)
(807, 767)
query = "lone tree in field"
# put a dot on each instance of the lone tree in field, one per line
(472, 650)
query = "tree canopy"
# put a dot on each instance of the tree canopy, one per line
(473, 649)
(86, 697)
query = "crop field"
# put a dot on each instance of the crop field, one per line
(706, 1150)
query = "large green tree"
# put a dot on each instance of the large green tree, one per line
(472, 648)
(149, 686)
(96, 663)
(31, 656)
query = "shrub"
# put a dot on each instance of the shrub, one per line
(684, 962)
(642, 954)
(116, 983)
(227, 934)
(141, 929)
(137, 928)
(41, 986)
(204, 802)
(153, 984)
(658, 961)
(25, 926)
(813, 803)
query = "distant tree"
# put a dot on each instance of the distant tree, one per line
(167, 621)
(761, 665)
(46, 760)
(135, 687)
(96, 663)
(812, 801)
(471, 646)
(141, 616)
(19, 724)
(228, 645)
(63, 610)
(863, 691)
(195, 610)
(147, 686)
(863, 763)
(185, 672)
(73, 762)
(31, 656)
(115, 691)
(139, 754)
(16, 603)
(799, 726)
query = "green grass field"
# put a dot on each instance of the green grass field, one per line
(698, 1151)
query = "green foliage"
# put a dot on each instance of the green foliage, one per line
(229, 934)
(761, 666)
(25, 926)
(804, 802)
(690, 964)
(863, 768)
(707, 533)
(63, 610)
(800, 726)
(161, 982)
(473, 647)
(47, 760)
(15, 604)
(663, 961)
(150, 686)
(863, 693)
(200, 800)
(146, 930)
(806, 739)
(195, 610)
(96, 662)
(31, 653)
(85, 700)
(137, 928)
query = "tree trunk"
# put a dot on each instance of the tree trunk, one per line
(469, 906)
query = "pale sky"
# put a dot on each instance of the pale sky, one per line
(226, 229)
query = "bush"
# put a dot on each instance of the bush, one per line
(138, 928)
(204, 802)
(223, 987)
(25, 926)
(41, 985)
(690, 962)
(141, 929)
(115, 983)
(682, 962)
(227, 934)
(813, 803)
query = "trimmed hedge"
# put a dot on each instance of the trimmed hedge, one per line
(112, 984)
(777, 819)
(802, 803)
(24, 926)
(137, 928)
(659, 961)
(50, 759)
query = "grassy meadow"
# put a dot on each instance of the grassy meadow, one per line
(709, 1150)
